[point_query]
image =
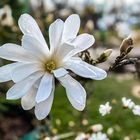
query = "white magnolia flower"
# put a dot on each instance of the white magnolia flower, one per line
(136, 110)
(37, 66)
(105, 109)
(127, 103)
(98, 136)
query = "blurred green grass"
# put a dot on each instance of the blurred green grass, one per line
(122, 120)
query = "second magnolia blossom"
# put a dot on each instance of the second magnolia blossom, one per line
(36, 66)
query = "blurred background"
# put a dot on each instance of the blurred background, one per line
(110, 21)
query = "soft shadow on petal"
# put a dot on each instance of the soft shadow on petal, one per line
(15, 52)
(45, 88)
(42, 109)
(55, 34)
(80, 69)
(28, 100)
(29, 26)
(22, 71)
(63, 51)
(71, 27)
(60, 72)
(84, 69)
(75, 92)
(81, 43)
(5, 71)
(31, 44)
(100, 73)
(21, 88)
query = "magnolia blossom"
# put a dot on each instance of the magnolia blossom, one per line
(136, 110)
(36, 65)
(105, 109)
(98, 136)
(127, 103)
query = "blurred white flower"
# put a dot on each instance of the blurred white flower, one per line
(127, 138)
(105, 109)
(98, 136)
(110, 131)
(6, 18)
(49, 5)
(127, 103)
(136, 110)
(106, 21)
(35, 4)
(47, 138)
(37, 66)
(96, 127)
(81, 136)
(123, 29)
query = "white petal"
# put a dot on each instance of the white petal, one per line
(60, 72)
(5, 72)
(16, 53)
(71, 27)
(22, 71)
(28, 100)
(75, 92)
(45, 88)
(84, 69)
(63, 51)
(81, 43)
(55, 33)
(21, 88)
(29, 27)
(42, 109)
(100, 73)
(33, 45)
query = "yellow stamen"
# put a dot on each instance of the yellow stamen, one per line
(49, 66)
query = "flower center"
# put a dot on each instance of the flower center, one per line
(49, 66)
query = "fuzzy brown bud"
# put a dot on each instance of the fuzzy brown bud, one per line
(126, 46)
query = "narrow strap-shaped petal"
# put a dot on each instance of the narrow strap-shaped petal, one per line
(42, 109)
(55, 34)
(81, 43)
(28, 100)
(75, 92)
(71, 27)
(45, 88)
(60, 72)
(17, 53)
(22, 71)
(33, 45)
(21, 88)
(84, 69)
(29, 26)
(5, 71)
(63, 51)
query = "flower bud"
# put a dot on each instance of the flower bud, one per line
(90, 25)
(126, 46)
(104, 56)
